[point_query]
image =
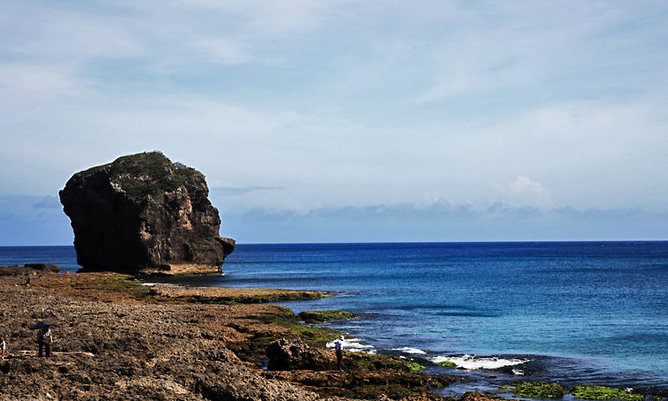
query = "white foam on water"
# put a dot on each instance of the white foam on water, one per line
(354, 345)
(409, 350)
(472, 362)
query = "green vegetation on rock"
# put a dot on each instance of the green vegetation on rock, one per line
(414, 366)
(603, 393)
(123, 283)
(371, 362)
(148, 173)
(314, 336)
(534, 390)
(554, 390)
(325, 315)
(102, 282)
(448, 364)
(253, 298)
(506, 389)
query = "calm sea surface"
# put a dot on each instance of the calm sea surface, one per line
(576, 312)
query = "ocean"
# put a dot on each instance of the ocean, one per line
(572, 312)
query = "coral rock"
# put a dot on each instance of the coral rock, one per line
(294, 354)
(144, 214)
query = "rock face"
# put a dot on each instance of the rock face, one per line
(144, 214)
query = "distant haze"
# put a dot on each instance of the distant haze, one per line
(341, 121)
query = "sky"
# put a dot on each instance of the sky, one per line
(348, 121)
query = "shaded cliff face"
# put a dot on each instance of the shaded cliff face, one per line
(143, 213)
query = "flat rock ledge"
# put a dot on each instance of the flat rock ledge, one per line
(113, 341)
(221, 295)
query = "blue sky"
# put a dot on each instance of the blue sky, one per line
(340, 120)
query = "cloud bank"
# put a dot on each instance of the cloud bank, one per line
(443, 222)
(33, 220)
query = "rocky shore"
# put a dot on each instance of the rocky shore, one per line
(116, 339)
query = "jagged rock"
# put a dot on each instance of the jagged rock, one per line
(243, 384)
(295, 354)
(45, 267)
(29, 269)
(144, 214)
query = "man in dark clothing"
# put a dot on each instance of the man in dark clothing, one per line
(44, 340)
(338, 347)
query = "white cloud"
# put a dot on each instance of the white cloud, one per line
(527, 192)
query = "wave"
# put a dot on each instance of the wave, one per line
(354, 345)
(409, 350)
(472, 362)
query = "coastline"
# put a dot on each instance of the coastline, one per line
(117, 339)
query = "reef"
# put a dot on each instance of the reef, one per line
(115, 339)
(542, 390)
(325, 315)
(537, 390)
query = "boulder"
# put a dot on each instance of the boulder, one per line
(296, 355)
(144, 214)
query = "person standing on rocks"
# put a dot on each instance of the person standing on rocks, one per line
(44, 339)
(3, 346)
(338, 347)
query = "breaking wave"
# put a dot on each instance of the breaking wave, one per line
(472, 362)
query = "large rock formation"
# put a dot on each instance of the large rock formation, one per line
(144, 214)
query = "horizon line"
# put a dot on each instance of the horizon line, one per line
(397, 242)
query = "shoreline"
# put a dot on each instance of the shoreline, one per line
(114, 339)
(234, 325)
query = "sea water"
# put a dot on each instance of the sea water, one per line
(574, 312)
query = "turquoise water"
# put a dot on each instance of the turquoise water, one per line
(581, 312)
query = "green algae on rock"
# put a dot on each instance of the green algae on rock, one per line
(538, 390)
(603, 393)
(224, 295)
(325, 315)
(222, 348)
(414, 366)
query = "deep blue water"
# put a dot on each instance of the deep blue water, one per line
(63, 256)
(576, 312)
